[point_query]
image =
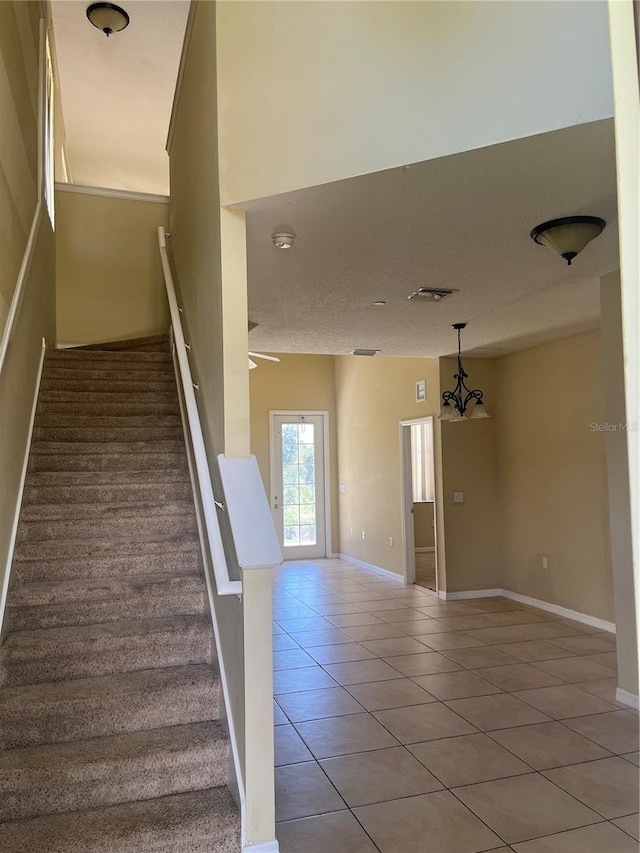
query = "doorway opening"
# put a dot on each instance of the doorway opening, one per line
(299, 463)
(419, 503)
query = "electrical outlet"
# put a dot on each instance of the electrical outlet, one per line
(391, 541)
(545, 562)
(364, 534)
(458, 497)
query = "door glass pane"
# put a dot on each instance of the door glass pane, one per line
(299, 477)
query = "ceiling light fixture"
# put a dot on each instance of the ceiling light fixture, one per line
(283, 237)
(108, 17)
(568, 236)
(455, 403)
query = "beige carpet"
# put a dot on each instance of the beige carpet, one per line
(426, 569)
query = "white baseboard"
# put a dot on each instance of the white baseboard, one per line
(425, 550)
(627, 698)
(565, 612)
(23, 476)
(378, 570)
(265, 847)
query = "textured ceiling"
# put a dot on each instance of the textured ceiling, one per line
(117, 92)
(459, 222)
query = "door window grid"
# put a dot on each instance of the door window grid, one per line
(299, 487)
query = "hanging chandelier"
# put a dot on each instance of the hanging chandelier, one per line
(456, 402)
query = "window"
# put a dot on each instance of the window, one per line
(422, 461)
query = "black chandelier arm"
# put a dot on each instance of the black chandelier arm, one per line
(472, 395)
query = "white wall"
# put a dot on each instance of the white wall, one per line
(319, 91)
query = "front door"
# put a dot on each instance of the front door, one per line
(297, 484)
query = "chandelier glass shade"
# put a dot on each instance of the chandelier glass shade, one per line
(455, 404)
(568, 236)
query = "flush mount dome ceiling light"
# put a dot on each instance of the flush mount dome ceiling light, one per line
(283, 237)
(568, 236)
(108, 17)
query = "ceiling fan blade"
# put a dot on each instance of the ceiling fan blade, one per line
(266, 357)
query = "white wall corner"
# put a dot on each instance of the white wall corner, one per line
(378, 570)
(627, 698)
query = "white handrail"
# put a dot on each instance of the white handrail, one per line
(224, 585)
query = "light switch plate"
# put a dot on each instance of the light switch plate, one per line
(458, 497)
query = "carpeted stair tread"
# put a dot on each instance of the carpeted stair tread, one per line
(109, 356)
(106, 433)
(113, 448)
(109, 493)
(134, 509)
(84, 708)
(56, 654)
(110, 373)
(140, 387)
(70, 560)
(108, 407)
(122, 523)
(74, 419)
(47, 479)
(85, 774)
(97, 600)
(148, 461)
(154, 343)
(196, 822)
(78, 398)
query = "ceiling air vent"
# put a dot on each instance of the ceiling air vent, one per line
(430, 294)
(365, 352)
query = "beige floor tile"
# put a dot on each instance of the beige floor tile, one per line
(419, 723)
(291, 659)
(289, 747)
(398, 693)
(359, 672)
(383, 603)
(345, 735)
(303, 790)
(533, 650)
(587, 644)
(470, 621)
(499, 634)
(423, 664)
(600, 838)
(456, 685)
(608, 786)
(311, 623)
(309, 678)
(283, 641)
(632, 757)
(336, 609)
(547, 630)
(424, 627)
(578, 627)
(279, 718)
(480, 657)
(448, 609)
(339, 653)
(375, 777)
(548, 745)
(400, 616)
(339, 832)
(522, 617)
(318, 704)
(617, 731)
(467, 760)
(519, 676)
(564, 701)
(344, 620)
(608, 659)
(372, 632)
(324, 637)
(430, 823)
(574, 669)
(630, 824)
(451, 640)
(492, 605)
(525, 807)
(395, 646)
(501, 711)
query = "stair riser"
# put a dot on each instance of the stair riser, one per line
(78, 717)
(70, 568)
(109, 494)
(109, 656)
(204, 767)
(156, 343)
(106, 408)
(77, 420)
(106, 478)
(92, 613)
(101, 434)
(114, 357)
(76, 399)
(107, 372)
(108, 462)
(112, 529)
(119, 386)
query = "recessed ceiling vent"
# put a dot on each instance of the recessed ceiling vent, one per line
(365, 352)
(430, 294)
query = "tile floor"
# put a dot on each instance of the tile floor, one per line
(406, 724)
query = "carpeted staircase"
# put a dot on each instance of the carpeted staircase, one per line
(110, 739)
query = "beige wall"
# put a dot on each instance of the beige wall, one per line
(297, 383)
(472, 530)
(18, 198)
(19, 147)
(553, 475)
(424, 535)
(372, 396)
(109, 283)
(316, 92)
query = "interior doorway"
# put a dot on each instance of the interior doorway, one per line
(299, 488)
(419, 503)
